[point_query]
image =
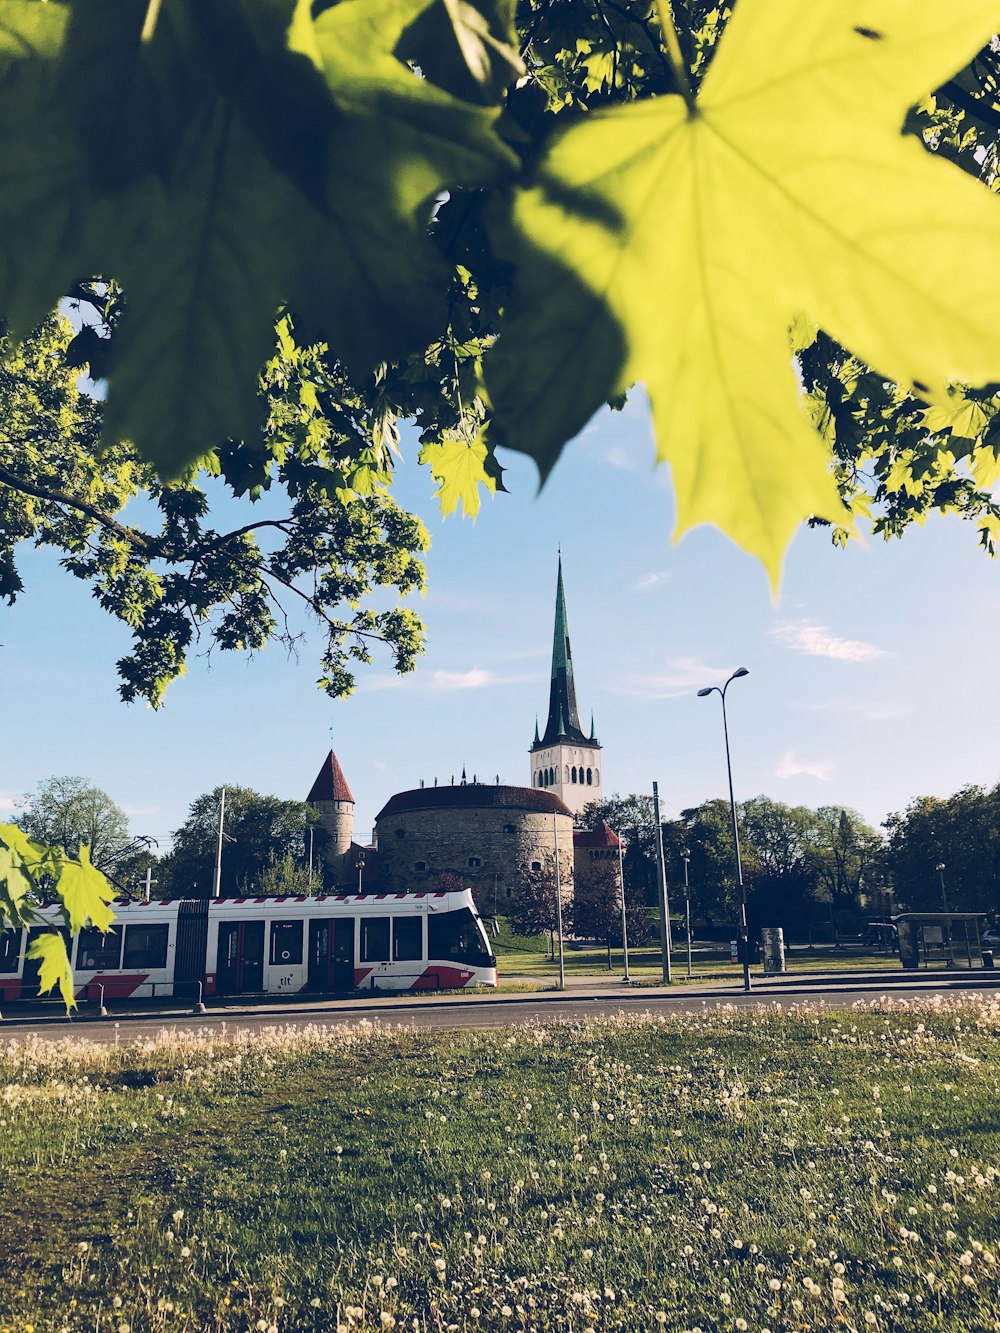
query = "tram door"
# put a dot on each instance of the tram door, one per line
(331, 954)
(240, 964)
(33, 966)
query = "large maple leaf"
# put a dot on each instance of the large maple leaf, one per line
(676, 245)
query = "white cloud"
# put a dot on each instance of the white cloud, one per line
(620, 458)
(139, 811)
(685, 675)
(7, 800)
(805, 636)
(444, 682)
(653, 580)
(475, 679)
(790, 767)
(871, 710)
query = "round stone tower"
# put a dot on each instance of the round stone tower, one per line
(331, 796)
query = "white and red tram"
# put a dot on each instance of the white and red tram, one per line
(273, 946)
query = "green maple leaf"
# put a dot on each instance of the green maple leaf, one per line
(15, 883)
(49, 949)
(677, 246)
(84, 893)
(460, 467)
(144, 154)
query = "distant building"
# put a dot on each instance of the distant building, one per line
(489, 836)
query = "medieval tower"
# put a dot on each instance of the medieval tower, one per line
(564, 759)
(331, 796)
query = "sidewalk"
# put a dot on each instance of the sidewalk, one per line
(604, 988)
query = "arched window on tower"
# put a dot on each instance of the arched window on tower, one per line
(590, 776)
(597, 778)
(566, 778)
(573, 779)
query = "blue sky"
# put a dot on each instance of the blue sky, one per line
(869, 685)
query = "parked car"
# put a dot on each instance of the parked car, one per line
(990, 939)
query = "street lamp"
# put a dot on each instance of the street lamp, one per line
(360, 863)
(744, 937)
(686, 858)
(621, 885)
(944, 897)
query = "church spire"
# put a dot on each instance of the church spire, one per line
(564, 719)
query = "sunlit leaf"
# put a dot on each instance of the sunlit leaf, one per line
(787, 192)
(49, 950)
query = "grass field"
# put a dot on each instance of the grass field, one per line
(529, 958)
(738, 1170)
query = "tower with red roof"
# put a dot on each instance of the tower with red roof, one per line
(332, 797)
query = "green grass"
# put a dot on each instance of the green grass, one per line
(515, 959)
(735, 1170)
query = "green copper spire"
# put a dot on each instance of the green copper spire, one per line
(564, 720)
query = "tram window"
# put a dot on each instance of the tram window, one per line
(374, 939)
(145, 946)
(10, 950)
(286, 942)
(407, 939)
(458, 935)
(97, 950)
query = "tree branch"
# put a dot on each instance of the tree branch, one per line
(17, 483)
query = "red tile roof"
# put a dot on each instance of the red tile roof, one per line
(330, 784)
(602, 836)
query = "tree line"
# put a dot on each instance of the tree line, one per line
(824, 868)
(802, 867)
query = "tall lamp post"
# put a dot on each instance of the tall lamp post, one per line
(621, 886)
(944, 897)
(686, 858)
(744, 935)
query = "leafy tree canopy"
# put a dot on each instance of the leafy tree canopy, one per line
(332, 541)
(70, 813)
(960, 832)
(415, 183)
(260, 833)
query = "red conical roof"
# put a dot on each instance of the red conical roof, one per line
(330, 784)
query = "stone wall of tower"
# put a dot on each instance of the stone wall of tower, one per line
(492, 850)
(336, 827)
(564, 768)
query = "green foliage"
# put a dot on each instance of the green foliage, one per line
(71, 813)
(962, 832)
(228, 161)
(414, 183)
(33, 873)
(261, 832)
(333, 538)
(793, 858)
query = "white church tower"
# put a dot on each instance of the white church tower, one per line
(563, 759)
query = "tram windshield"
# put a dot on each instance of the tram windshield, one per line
(459, 936)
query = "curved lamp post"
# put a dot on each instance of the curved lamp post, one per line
(744, 937)
(940, 868)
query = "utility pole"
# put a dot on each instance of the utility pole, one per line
(150, 881)
(621, 884)
(686, 855)
(217, 887)
(664, 904)
(562, 960)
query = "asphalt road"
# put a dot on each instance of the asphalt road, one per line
(448, 1015)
